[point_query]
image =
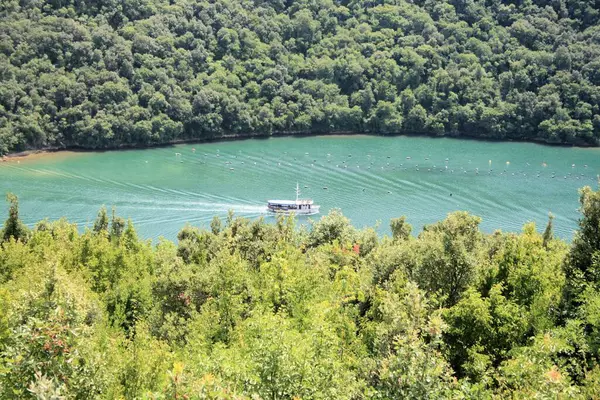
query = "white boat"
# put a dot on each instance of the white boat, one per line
(298, 206)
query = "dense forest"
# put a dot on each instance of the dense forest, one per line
(113, 73)
(254, 310)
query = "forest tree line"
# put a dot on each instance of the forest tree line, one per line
(252, 310)
(113, 73)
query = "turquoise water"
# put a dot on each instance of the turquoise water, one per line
(370, 179)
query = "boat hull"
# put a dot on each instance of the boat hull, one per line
(314, 210)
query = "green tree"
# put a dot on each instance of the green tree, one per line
(548, 232)
(482, 331)
(13, 227)
(117, 224)
(450, 256)
(332, 227)
(582, 266)
(215, 225)
(400, 228)
(101, 223)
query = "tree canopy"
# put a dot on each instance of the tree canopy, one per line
(255, 310)
(107, 74)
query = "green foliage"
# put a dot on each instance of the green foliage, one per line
(547, 367)
(548, 232)
(4, 317)
(400, 228)
(330, 228)
(215, 225)
(416, 368)
(582, 267)
(117, 225)
(101, 223)
(248, 309)
(46, 328)
(97, 75)
(482, 330)
(450, 256)
(13, 227)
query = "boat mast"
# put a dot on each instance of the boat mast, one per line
(297, 192)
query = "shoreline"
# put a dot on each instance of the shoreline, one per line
(31, 153)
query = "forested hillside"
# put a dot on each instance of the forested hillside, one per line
(110, 73)
(254, 310)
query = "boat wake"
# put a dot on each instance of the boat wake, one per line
(194, 206)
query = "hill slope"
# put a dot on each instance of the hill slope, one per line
(109, 73)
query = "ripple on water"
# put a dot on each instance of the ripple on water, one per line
(161, 191)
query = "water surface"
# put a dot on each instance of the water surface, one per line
(369, 178)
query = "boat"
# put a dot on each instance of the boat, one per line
(298, 206)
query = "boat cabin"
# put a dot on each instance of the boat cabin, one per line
(289, 205)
